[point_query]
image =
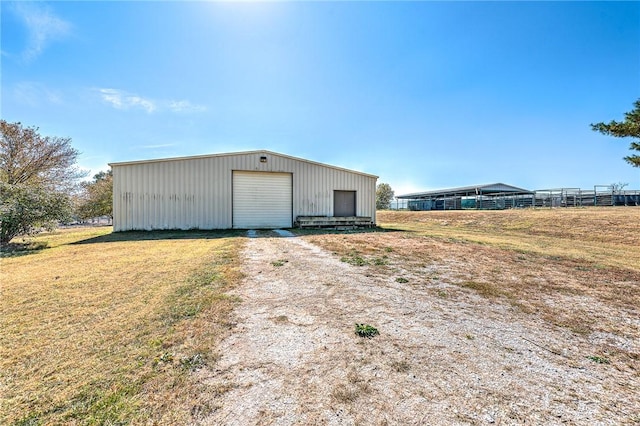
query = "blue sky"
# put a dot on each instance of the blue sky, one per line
(425, 95)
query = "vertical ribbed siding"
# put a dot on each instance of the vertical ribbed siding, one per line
(197, 193)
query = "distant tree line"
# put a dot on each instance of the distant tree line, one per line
(95, 198)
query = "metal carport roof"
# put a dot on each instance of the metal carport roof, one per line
(465, 191)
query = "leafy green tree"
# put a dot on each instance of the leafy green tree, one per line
(384, 195)
(37, 176)
(26, 210)
(629, 128)
(96, 197)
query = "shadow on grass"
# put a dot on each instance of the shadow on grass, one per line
(21, 249)
(214, 234)
(161, 235)
(374, 230)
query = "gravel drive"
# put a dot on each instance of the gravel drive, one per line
(444, 355)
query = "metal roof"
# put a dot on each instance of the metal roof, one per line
(262, 151)
(493, 188)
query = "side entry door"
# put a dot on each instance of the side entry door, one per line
(344, 203)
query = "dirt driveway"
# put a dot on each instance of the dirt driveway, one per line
(445, 355)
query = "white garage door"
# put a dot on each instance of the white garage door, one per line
(262, 200)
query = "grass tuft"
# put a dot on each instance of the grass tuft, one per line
(483, 288)
(354, 258)
(599, 359)
(379, 261)
(400, 366)
(345, 394)
(193, 362)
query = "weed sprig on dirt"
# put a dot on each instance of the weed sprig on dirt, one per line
(599, 359)
(366, 330)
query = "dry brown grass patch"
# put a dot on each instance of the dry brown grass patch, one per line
(574, 268)
(600, 235)
(355, 387)
(484, 288)
(108, 328)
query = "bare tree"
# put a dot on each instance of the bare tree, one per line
(617, 188)
(28, 158)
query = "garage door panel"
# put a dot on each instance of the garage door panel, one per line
(262, 200)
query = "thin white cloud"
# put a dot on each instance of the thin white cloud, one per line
(120, 99)
(123, 100)
(185, 106)
(43, 27)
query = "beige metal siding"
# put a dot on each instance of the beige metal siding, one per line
(261, 200)
(196, 192)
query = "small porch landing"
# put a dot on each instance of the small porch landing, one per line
(346, 222)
